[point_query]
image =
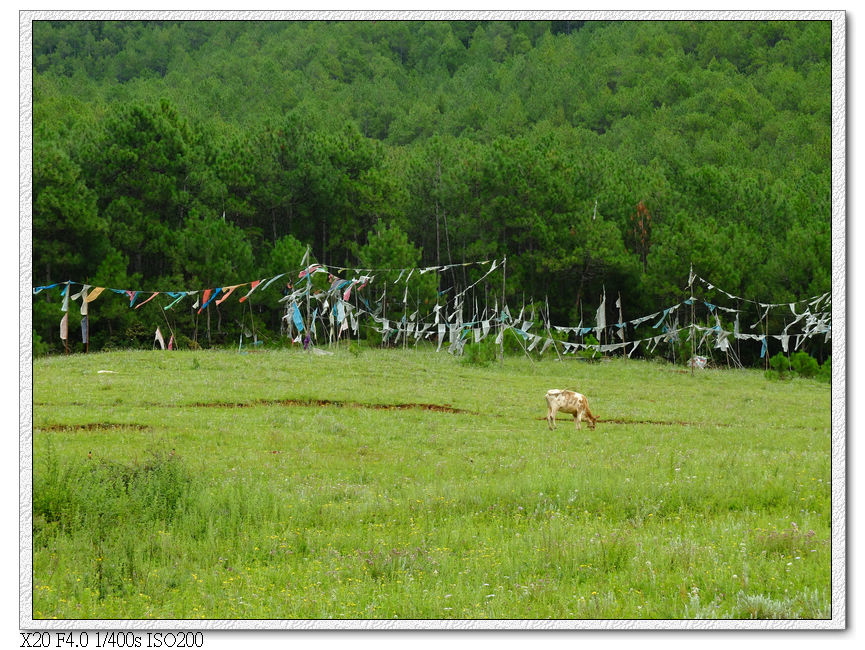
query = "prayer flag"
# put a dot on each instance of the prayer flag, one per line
(205, 301)
(254, 285)
(159, 338)
(94, 294)
(269, 282)
(64, 327)
(601, 316)
(230, 290)
(298, 321)
(155, 293)
(38, 289)
(176, 300)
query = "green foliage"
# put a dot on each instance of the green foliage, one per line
(482, 353)
(799, 364)
(116, 505)
(803, 364)
(215, 252)
(593, 154)
(384, 485)
(287, 255)
(589, 353)
(825, 372)
(779, 366)
(40, 347)
(388, 250)
(67, 226)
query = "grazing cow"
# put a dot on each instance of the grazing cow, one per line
(568, 401)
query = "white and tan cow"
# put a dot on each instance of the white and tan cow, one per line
(568, 401)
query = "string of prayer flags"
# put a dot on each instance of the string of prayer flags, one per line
(177, 298)
(50, 286)
(254, 284)
(227, 293)
(208, 298)
(661, 321)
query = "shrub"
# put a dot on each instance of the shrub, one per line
(479, 354)
(825, 373)
(800, 364)
(804, 364)
(40, 347)
(590, 353)
(779, 367)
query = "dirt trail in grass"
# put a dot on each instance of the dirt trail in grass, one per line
(440, 408)
(681, 423)
(91, 426)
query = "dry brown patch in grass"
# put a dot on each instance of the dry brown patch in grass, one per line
(441, 408)
(91, 426)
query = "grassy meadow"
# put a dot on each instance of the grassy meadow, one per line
(390, 483)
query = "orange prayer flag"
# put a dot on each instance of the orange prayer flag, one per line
(155, 293)
(230, 289)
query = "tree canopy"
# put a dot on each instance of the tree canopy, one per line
(592, 154)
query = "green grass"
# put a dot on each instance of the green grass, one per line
(219, 486)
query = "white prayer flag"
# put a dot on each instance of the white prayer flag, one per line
(601, 316)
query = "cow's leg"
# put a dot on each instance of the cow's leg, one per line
(577, 422)
(551, 417)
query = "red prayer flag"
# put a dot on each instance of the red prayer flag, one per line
(204, 299)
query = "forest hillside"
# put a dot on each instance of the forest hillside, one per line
(596, 156)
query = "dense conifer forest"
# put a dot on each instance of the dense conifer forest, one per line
(596, 156)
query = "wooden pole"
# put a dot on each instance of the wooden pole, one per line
(501, 320)
(693, 339)
(308, 290)
(555, 347)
